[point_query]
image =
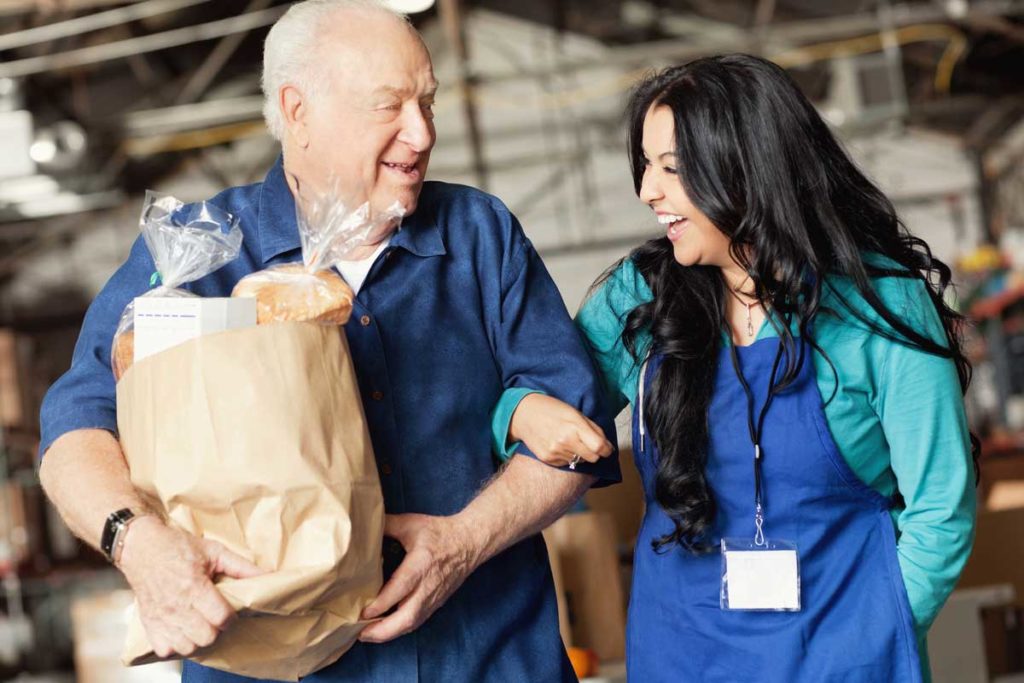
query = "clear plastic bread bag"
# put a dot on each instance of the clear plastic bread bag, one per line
(330, 229)
(187, 242)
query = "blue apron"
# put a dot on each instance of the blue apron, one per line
(855, 624)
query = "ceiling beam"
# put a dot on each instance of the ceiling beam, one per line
(91, 22)
(105, 52)
(772, 38)
(22, 7)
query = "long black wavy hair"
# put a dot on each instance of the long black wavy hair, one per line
(757, 159)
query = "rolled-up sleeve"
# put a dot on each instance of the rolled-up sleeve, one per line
(601, 320)
(539, 348)
(83, 397)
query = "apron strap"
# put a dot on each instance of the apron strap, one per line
(640, 398)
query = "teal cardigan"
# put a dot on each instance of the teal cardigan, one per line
(896, 413)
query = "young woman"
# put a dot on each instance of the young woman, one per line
(797, 382)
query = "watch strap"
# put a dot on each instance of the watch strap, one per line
(115, 521)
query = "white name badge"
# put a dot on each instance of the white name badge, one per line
(760, 577)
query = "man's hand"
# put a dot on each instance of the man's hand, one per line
(171, 573)
(438, 558)
(555, 431)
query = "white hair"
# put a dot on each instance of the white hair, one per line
(290, 52)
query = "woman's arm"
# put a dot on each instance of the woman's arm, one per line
(921, 409)
(553, 430)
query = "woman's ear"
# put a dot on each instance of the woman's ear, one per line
(295, 114)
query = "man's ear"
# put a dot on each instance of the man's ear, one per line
(295, 113)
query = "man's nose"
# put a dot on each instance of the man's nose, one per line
(649, 189)
(417, 130)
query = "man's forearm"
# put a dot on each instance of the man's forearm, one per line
(85, 475)
(522, 500)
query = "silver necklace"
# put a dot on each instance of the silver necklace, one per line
(750, 319)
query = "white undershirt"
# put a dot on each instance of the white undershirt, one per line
(355, 272)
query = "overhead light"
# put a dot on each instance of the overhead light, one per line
(43, 150)
(59, 147)
(956, 9)
(639, 14)
(409, 6)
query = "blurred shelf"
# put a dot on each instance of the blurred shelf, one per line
(1005, 445)
(994, 305)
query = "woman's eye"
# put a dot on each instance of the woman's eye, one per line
(669, 170)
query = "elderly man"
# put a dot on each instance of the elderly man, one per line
(450, 310)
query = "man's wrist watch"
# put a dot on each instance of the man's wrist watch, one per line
(114, 530)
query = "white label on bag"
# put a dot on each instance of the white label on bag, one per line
(163, 322)
(762, 579)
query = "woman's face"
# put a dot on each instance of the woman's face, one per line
(695, 239)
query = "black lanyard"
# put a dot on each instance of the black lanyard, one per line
(756, 430)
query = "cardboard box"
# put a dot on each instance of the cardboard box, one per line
(956, 642)
(564, 627)
(1002, 482)
(584, 543)
(1003, 633)
(21, 523)
(998, 556)
(1007, 494)
(163, 322)
(624, 503)
(12, 400)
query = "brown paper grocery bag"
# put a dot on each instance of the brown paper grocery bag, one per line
(256, 438)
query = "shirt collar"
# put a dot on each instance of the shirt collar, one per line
(419, 233)
(279, 232)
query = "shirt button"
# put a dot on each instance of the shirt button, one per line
(364, 321)
(385, 469)
(377, 395)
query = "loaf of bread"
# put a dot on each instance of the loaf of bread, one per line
(124, 353)
(291, 293)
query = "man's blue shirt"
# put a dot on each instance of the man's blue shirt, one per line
(458, 308)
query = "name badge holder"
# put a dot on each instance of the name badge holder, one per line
(759, 574)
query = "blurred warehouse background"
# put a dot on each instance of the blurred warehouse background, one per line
(103, 99)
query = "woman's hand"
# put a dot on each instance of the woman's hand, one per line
(555, 431)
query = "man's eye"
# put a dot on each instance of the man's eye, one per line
(428, 109)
